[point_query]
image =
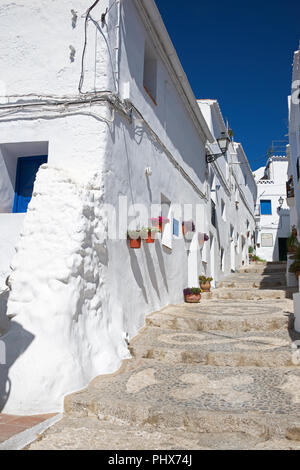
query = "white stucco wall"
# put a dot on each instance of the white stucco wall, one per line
(10, 228)
(294, 132)
(76, 296)
(278, 223)
(230, 180)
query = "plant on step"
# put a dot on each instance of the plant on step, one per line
(257, 258)
(205, 283)
(296, 253)
(295, 268)
(292, 241)
(250, 250)
(192, 295)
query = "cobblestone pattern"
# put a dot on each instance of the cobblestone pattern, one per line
(168, 397)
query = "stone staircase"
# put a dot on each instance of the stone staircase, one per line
(221, 374)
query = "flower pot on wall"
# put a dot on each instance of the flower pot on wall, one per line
(159, 222)
(188, 227)
(135, 243)
(149, 239)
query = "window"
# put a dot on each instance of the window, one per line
(265, 207)
(150, 73)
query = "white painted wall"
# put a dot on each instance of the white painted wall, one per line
(277, 224)
(230, 179)
(76, 295)
(294, 155)
(10, 228)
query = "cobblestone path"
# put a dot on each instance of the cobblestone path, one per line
(222, 374)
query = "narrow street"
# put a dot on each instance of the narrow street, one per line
(221, 374)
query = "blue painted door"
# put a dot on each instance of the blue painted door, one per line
(26, 172)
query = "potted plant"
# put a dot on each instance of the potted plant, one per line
(188, 227)
(292, 241)
(251, 252)
(159, 222)
(134, 237)
(295, 268)
(192, 295)
(205, 283)
(148, 234)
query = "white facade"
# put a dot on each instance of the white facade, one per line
(273, 219)
(294, 161)
(232, 188)
(78, 290)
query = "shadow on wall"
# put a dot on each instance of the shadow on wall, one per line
(161, 264)
(137, 272)
(12, 345)
(151, 270)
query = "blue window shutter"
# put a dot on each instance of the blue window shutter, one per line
(265, 207)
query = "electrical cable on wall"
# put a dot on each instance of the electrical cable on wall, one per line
(85, 44)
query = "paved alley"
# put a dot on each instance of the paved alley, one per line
(222, 374)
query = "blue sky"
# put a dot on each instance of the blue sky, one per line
(240, 53)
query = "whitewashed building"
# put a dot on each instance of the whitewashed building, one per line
(232, 194)
(100, 131)
(293, 197)
(272, 211)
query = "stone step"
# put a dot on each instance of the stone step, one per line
(263, 269)
(223, 315)
(242, 293)
(90, 433)
(216, 349)
(260, 402)
(252, 283)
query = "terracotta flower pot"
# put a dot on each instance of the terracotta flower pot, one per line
(135, 243)
(205, 286)
(149, 239)
(297, 273)
(192, 298)
(292, 249)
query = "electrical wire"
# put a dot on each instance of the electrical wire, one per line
(85, 45)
